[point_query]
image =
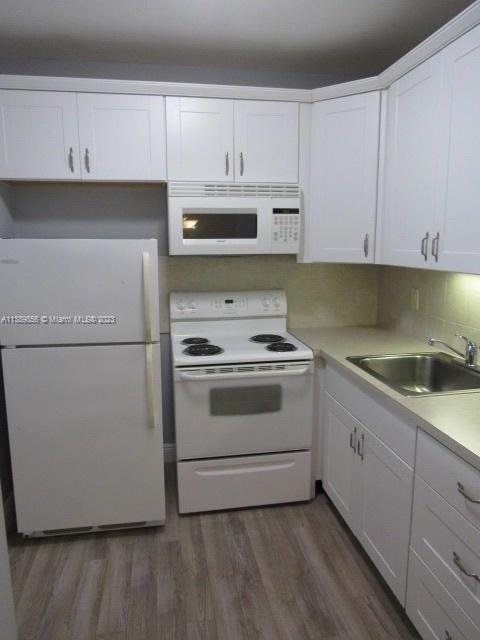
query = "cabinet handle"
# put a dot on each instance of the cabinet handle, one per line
(241, 163)
(461, 489)
(87, 161)
(424, 246)
(227, 164)
(447, 635)
(365, 245)
(70, 160)
(353, 439)
(435, 243)
(360, 448)
(458, 562)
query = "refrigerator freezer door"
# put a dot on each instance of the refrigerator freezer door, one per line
(78, 291)
(85, 449)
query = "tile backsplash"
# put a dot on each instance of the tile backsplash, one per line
(317, 294)
(449, 303)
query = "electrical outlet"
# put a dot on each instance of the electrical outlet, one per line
(414, 299)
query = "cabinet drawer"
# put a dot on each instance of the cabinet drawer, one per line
(396, 432)
(228, 483)
(438, 532)
(449, 475)
(435, 614)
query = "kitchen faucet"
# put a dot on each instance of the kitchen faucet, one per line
(470, 353)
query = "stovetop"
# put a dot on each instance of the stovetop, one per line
(232, 328)
(237, 348)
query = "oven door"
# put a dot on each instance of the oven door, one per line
(209, 226)
(234, 410)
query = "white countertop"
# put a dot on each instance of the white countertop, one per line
(454, 420)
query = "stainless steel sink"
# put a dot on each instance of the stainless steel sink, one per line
(421, 374)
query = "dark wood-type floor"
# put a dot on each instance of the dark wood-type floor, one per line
(287, 572)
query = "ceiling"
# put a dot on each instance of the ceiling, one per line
(363, 36)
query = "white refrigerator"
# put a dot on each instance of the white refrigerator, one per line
(79, 330)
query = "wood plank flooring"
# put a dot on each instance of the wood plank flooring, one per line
(288, 572)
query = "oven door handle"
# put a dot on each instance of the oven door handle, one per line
(238, 375)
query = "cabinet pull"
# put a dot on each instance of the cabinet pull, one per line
(227, 164)
(424, 246)
(87, 160)
(458, 562)
(461, 489)
(353, 439)
(70, 160)
(241, 163)
(435, 243)
(365, 245)
(360, 445)
(447, 635)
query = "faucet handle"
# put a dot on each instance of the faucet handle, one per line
(470, 343)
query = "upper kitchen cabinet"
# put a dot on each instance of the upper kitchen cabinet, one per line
(200, 139)
(457, 231)
(232, 140)
(122, 137)
(344, 167)
(38, 136)
(266, 141)
(48, 135)
(411, 166)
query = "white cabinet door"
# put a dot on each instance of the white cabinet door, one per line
(385, 510)
(122, 137)
(459, 208)
(266, 141)
(66, 282)
(341, 431)
(344, 167)
(84, 451)
(38, 136)
(200, 139)
(413, 148)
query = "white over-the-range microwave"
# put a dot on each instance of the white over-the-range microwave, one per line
(235, 219)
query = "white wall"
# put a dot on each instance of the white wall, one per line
(5, 217)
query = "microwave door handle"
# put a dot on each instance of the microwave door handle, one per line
(238, 375)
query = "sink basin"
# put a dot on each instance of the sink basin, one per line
(421, 374)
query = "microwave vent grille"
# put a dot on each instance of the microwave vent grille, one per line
(226, 189)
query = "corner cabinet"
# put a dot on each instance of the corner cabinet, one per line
(411, 166)
(232, 140)
(431, 192)
(48, 135)
(344, 168)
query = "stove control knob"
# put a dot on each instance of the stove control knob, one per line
(192, 305)
(276, 302)
(266, 302)
(181, 306)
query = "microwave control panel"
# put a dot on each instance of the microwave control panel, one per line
(286, 229)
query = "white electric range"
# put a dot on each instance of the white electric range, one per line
(243, 401)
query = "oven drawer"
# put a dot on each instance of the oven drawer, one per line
(228, 483)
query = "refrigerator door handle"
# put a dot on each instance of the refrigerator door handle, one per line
(146, 296)
(152, 408)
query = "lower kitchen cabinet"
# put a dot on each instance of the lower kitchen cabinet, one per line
(443, 594)
(372, 488)
(435, 614)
